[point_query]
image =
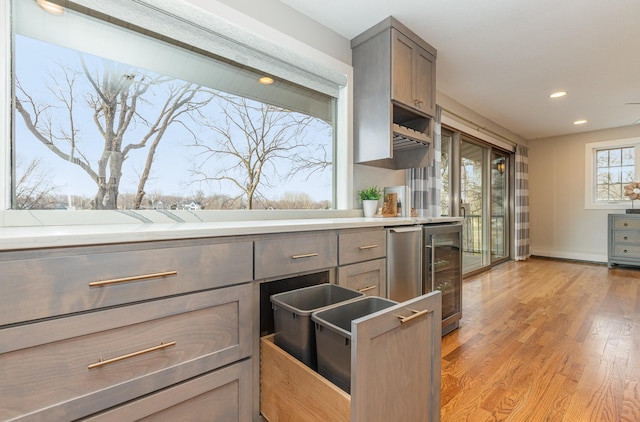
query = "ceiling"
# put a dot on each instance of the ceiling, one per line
(502, 58)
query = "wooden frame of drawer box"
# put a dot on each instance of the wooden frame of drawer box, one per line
(75, 366)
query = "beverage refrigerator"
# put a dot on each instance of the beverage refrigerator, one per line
(442, 269)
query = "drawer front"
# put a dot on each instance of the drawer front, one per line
(131, 352)
(366, 277)
(626, 236)
(626, 251)
(362, 246)
(218, 396)
(84, 279)
(622, 223)
(281, 255)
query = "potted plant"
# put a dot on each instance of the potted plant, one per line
(369, 198)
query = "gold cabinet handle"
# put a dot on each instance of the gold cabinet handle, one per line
(366, 289)
(415, 314)
(368, 247)
(102, 362)
(133, 278)
(304, 255)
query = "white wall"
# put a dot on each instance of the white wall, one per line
(560, 226)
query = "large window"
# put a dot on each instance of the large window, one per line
(610, 166)
(108, 118)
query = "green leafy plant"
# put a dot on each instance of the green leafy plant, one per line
(370, 193)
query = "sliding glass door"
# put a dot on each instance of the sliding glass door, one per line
(475, 185)
(499, 206)
(474, 206)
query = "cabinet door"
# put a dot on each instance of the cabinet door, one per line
(395, 365)
(366, 277)
(413, 75)
(403, 68)
(424, 81)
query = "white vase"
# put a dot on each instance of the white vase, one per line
(370, 206)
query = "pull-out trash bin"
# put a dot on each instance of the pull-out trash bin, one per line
(333, 337)
(292, 311)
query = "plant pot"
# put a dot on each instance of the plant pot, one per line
(370, 206)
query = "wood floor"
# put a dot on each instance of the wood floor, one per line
(545, 340)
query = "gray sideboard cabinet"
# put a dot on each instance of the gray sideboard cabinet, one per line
(624, 239)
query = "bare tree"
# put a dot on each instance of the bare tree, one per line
(258, 144)
(114, 96)
(33, 188)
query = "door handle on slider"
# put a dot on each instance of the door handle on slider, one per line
(366, 289)
(416, 314)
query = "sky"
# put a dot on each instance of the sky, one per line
(38, 68)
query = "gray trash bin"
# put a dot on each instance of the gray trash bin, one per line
(292, 317)
(333, 337)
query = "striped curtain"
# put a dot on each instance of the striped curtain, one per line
(425, 182)
(522, 204)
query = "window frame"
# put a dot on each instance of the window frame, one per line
(591, 149)
(295, 61)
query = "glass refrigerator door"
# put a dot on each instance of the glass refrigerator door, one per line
(445, 269)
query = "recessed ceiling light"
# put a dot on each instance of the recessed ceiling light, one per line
(265, 80)
(558, 94)
(579, 122)
(47, 6)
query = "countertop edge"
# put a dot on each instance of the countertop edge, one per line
(32, 237)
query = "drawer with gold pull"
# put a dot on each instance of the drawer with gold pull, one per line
(86, 278)
(294, 253)
(358, 246)
(74, 366)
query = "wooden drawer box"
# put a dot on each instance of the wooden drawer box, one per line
(294, 253)
(284, 379)
(71, 367)
(361, 246)
(221, 395)
(86, 278)
(395, 371)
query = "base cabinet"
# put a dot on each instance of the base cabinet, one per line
(98, 327)
(395, 371)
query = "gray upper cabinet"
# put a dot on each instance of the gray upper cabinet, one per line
(394, 96)
(414, 75)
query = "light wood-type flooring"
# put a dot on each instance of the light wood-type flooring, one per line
(545, 340)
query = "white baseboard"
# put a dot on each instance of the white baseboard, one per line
(578, 256)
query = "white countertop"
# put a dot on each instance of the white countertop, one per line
(44, 234)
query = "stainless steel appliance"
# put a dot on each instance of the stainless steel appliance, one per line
(443, 269)
(404, 262)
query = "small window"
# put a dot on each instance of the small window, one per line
(615, 168)
(610, 166)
